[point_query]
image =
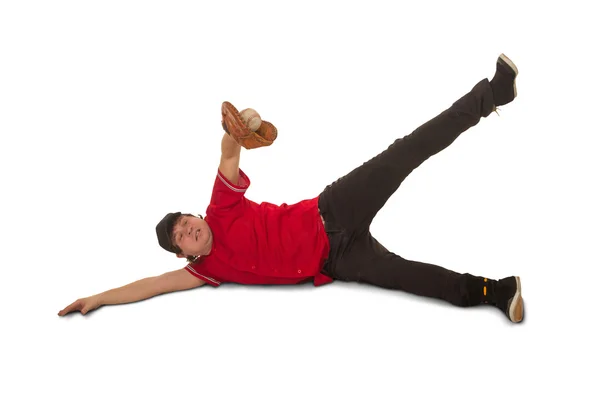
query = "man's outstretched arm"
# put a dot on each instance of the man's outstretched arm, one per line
(139, 290)
(230, 159)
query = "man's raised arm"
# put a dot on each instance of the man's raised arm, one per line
(230, 159)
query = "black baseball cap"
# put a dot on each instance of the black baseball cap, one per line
(164, 229)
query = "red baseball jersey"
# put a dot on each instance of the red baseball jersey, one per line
(263, 243)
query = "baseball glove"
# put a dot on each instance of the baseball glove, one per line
(235, 126)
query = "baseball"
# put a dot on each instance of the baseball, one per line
(251, 118)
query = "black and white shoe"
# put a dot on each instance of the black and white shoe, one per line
(504, 82)
(509, 298)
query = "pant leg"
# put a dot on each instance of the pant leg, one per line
(355, 199)
(365, 260)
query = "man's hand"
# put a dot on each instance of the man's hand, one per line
(83, 305)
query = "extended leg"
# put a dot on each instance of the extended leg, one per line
(366, 260)
(354, 200)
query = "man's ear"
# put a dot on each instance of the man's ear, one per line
(180, 256)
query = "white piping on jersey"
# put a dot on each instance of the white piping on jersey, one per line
(228, 185)
(203, 277)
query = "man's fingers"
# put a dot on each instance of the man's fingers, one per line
(72, 307)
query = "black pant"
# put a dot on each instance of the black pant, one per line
(349, 205)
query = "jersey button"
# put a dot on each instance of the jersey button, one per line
(254, 267)
(299, 271)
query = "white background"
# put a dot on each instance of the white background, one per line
(110, 118)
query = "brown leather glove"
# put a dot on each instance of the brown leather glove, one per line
(235, 126)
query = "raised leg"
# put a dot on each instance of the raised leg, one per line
(354, 200)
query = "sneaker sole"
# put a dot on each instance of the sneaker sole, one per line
(512, 66)
(515, 312)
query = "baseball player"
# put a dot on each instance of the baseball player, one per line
(326, 237)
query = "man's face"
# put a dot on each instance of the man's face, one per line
(192, 235)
